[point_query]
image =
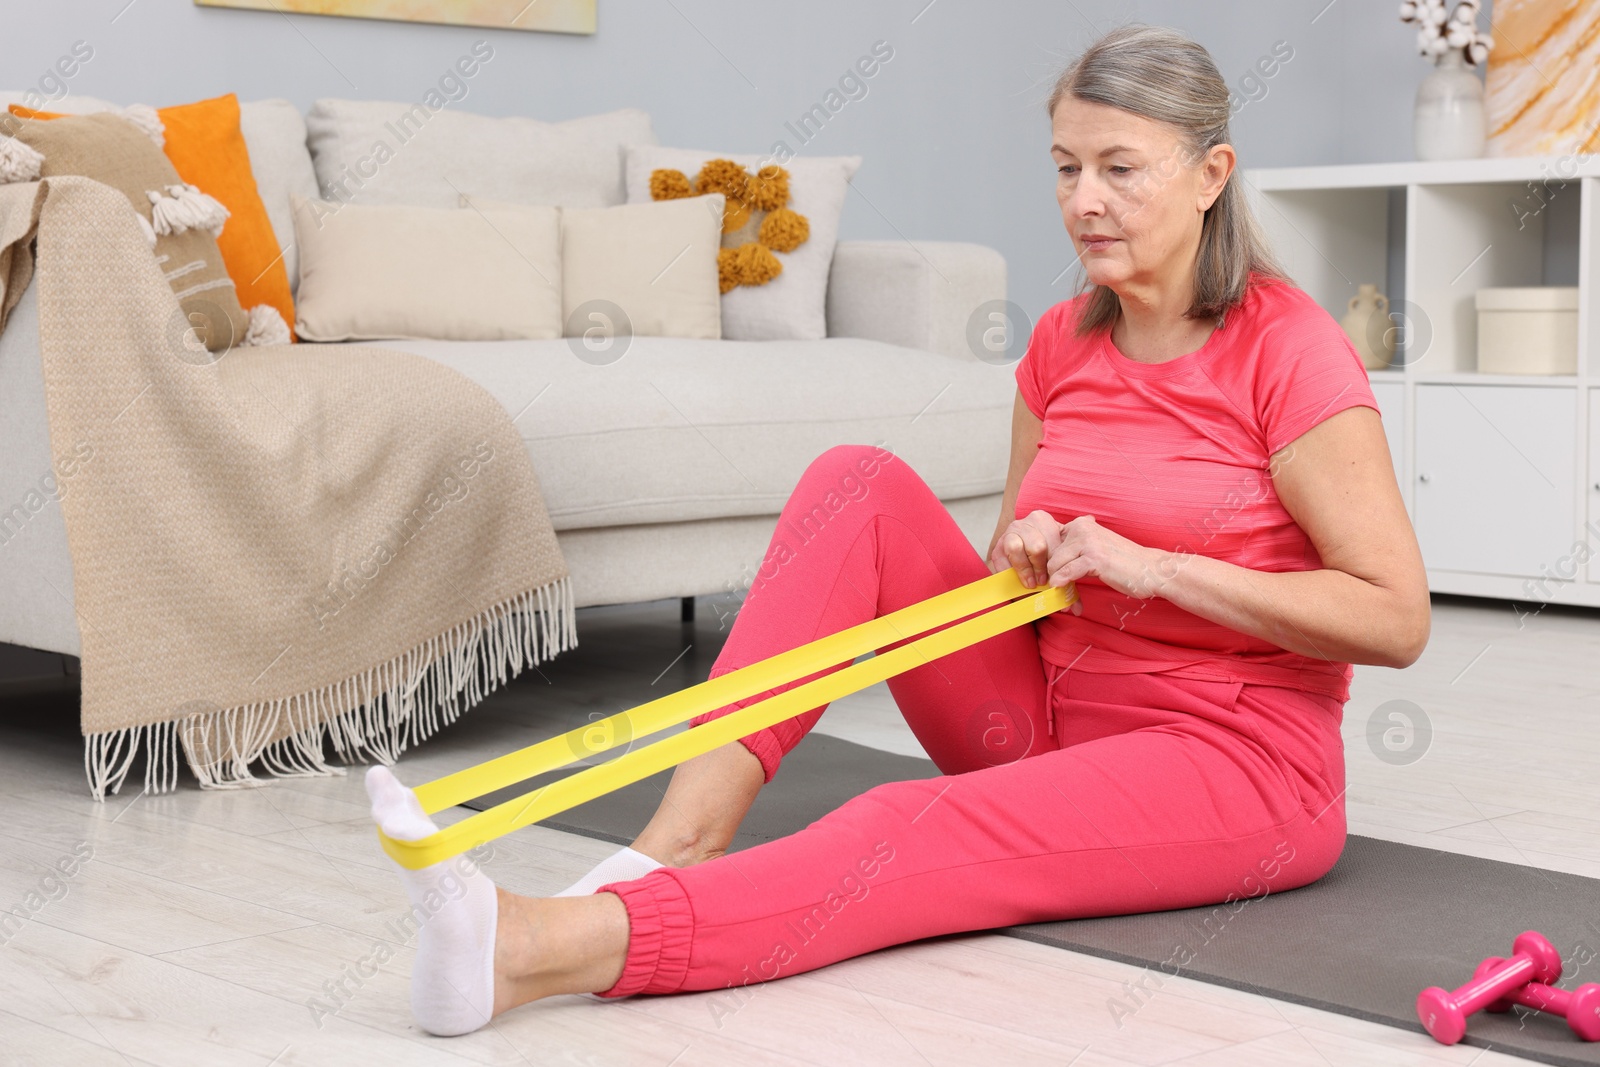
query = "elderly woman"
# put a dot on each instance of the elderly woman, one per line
(1195, 445)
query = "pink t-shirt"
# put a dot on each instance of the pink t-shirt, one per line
(1175, 456)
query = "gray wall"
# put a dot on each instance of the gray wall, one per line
(952, 129)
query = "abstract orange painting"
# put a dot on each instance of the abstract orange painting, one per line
(551, 16)
(1543, 89)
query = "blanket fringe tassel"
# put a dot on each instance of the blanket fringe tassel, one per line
(392, 706)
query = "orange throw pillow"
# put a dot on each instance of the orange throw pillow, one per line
(206, 147)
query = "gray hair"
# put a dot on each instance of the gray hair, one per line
(1162, 75)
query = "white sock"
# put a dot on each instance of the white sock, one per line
(621, 866)
(454, 902)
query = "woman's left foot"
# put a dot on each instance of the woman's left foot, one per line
(624, 865)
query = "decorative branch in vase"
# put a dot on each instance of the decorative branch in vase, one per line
(1449, 119)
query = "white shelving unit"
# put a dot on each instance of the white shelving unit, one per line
(1500, 472)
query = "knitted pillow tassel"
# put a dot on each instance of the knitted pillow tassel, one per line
(266, 327)
(185, 208)
(19, 162)
(147, 119)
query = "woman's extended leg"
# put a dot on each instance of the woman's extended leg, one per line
(861, 536)
(1216, 793)
(1185, 793)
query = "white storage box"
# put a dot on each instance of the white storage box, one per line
(1528, 331)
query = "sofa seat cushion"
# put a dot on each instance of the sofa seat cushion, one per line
(680, 429)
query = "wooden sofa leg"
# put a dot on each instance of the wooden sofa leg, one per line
(687, 609)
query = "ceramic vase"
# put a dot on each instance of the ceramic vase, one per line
(1449, 121)
(1367, 324)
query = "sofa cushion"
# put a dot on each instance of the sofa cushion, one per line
(388, 152)
(683, 429)
(399, 270)
(205, 141)
(655, 262)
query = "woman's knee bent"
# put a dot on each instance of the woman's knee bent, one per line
(845, 475)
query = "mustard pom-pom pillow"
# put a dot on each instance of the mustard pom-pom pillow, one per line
(749, 201)
(778, 238)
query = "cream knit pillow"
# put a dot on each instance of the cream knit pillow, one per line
(373, 271)
(656, 264)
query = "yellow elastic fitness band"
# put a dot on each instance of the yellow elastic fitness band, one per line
(622, 728)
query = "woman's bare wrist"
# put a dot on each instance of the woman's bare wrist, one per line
(1161, 569)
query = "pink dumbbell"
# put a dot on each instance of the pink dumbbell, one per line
(1580, 1007)
(1444, 1015)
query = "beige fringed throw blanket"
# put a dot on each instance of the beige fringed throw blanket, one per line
(273, 547)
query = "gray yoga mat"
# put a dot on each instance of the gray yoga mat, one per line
(1387, 921)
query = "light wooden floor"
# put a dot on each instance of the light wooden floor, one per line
(204, 923)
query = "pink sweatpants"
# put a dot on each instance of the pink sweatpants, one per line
(1064, 794)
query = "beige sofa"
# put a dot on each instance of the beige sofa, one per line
(663, 471)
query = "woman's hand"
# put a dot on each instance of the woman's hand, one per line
(1087, 548)
(1028, 545)
(1037, 544)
